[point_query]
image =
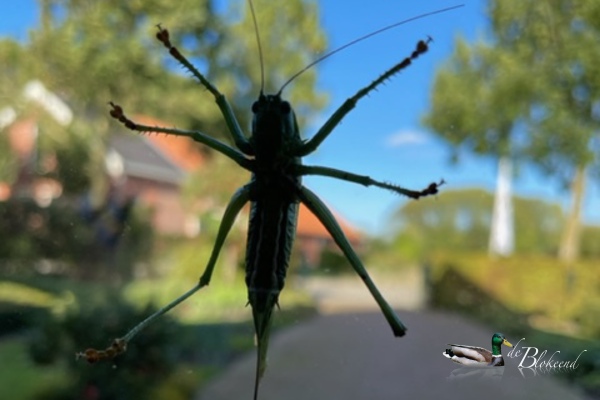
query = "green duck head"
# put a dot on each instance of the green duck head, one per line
(497, 341)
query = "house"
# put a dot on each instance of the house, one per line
(22, 139)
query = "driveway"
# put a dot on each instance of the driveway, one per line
(354, 356)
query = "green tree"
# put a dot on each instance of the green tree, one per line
(460, 221)
(528, 92)
(590, 243)
(9, 50)
(90, 53)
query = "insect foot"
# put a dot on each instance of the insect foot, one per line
(92, 356)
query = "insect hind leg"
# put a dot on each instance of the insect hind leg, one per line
(239, 199)
(318, 208)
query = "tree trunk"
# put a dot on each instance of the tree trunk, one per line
(569, 243)
(502, 241)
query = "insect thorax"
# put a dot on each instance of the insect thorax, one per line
(274, 132)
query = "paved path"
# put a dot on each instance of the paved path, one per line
(404, 289)
(355, 356)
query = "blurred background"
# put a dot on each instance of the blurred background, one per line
(99, 226)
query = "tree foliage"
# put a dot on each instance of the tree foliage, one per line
(478, 99)
(530, 91)
(537, 69)
(558, 43)
(90, 53)
(460, 221)
(58, 239)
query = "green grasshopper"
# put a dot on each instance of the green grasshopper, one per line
(272, 153)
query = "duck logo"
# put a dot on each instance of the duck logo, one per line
(478, 356)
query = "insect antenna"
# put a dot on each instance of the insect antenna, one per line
(360, 39)
(260, 53)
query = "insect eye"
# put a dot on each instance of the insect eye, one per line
(255, 107)
(285, 107)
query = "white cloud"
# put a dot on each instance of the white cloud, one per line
(405, 138)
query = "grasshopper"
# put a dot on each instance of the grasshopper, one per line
(273, 154)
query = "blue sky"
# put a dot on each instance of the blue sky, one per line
(382, 136)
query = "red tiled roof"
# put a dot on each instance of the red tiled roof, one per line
(309, 225)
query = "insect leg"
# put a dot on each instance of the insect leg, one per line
(232, 123)
(367, 181)
(316, 206)
(311, 145)
(118, 114)
(239, 199)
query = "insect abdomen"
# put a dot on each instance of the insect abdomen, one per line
(271, 233)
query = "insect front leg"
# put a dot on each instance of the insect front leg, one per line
(239, 199)
(320, 210)
(232, 123)
(349, 104)
(118, 114)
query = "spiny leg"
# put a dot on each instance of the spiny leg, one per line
(431, 189)
(318, 208)
(239, 199)
(349, 104)
(234, 127)
(118, 114)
